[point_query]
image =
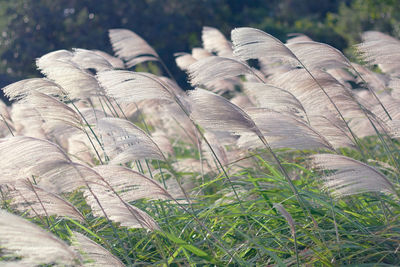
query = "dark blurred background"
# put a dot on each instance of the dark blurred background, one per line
(31, 28)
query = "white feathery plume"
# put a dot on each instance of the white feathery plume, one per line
(114, 61)
(211, 69)
(221, 115)
(93, 254)
(36, 246)
(282, 131)
(24, 88)
(184, 60)
(250, 43)
(117, 210)
(219, 150)
(242, 101)
(333, 130)
(297, 37)
(189, 165)
(174, 122)
(54, 113)
(215, 41)
(77, 82)
(87, 59)
(200, 53)
(315, 55)
(394, 84)
(163, 142)
(130, 47)
(350, 176)
(22, 125)
(132, 185)
(45, 161)
(48, 59)
(123, 141)
(343, 76)
(375, 80)
(28, 156)
(313, 99)
(128, 86)
(271, 97)
(37, 201)
(80, 151)
(382, 50)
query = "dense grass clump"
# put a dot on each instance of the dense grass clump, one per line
(294, 162)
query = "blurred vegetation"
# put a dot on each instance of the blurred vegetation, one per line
(31, 28)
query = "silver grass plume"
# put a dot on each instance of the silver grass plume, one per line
(297, 37)
(283, 131)
(217, 114)
(54, 113)
(76, 81)
(114, 61)
(315, 55)
(128, 86)
(92, 253)
(333, 130)
(213, 69)
(24, 88)
(130, 47)
(105, 202)
(35, 246)
(200, 53)
(131, 185)
(250, 43)
(123, 141)
(381, 49)
(215, 41)
(184, 60)
(350, 176)
(274, 98)
(87, 59)
(38, 201)
(45, 161)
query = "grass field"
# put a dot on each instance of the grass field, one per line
(282, 155)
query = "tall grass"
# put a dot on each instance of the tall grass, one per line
(294, 162)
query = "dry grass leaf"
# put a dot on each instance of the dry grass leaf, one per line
(287, 216)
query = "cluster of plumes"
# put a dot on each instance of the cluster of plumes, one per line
(77, 128)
